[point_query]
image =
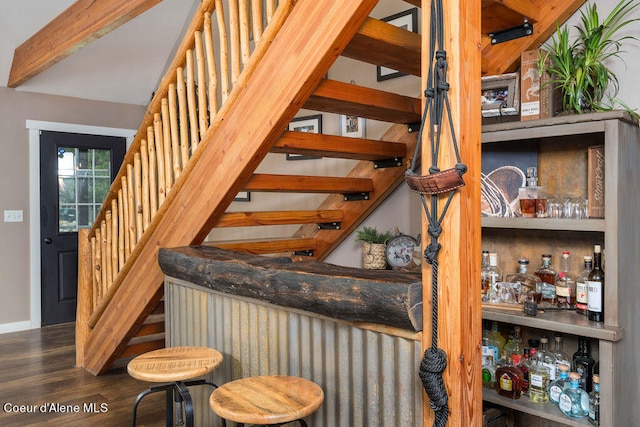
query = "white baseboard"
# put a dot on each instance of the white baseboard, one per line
(15, 327)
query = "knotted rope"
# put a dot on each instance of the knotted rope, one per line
(437, 182)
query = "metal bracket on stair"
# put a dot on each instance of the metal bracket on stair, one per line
(352, 197)
(414, 127)
(512, 33)
(329, 226)
(303, 253)
(395, 162)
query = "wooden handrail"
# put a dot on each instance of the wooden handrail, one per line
(177, 119)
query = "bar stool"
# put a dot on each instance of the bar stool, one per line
(266, 400)
(172, 366)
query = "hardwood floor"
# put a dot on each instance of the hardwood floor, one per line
(37, 368)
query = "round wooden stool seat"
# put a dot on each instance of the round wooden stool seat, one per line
(273, 399)
(174, 364)
(172, 367)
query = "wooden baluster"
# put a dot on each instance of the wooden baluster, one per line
(271, 9)
(202, 86)
(175, 135)
(114, 240)
(107, 234)
(137, 161)
(121, 228)
(245, 29)
(166, 146)
(133, 207)
(184, 124)
(104, 270)
(95, 271)
(224, 51)
(256, 19)
(144, 162)
(234, 40)
(161, 180)
(127, 226)
(211, 66)
(191, 99)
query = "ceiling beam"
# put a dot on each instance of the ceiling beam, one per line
(80, 24)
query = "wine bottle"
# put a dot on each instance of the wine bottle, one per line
(595, 284)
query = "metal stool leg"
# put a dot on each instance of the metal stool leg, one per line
(185, 396)
(154, 389)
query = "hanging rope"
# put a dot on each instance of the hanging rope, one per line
(435, 183)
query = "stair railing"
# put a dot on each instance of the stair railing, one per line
(208, 64)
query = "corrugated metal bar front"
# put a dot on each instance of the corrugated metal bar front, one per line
(369, 378)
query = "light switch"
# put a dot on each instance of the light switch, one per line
(13, 216)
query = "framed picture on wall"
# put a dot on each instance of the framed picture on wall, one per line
(310, 124)
(352, 126)
(407, 20)
(243, 196)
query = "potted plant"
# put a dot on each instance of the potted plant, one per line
(373, 248)
(578, 68)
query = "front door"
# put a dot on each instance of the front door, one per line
(76, 171)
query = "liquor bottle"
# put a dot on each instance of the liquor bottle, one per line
(547, 358)
(491, 276)
(489, 347)
(489, 374)
(595, 283)
(538, 382)
(513, 347)
(509, 380)
(524, 368)
(581, 287)
(559, 384)
(483, 275)
(497, 337)
(594, 402)
(584, 364)
(530, 285)
(565, 285)
(533, 198)
(548, 277)
(562, 358)
(574, 401)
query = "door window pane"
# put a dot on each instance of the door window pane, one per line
(83, 183)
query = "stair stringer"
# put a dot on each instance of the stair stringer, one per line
(238, 139)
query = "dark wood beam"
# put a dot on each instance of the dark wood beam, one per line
(80, 24)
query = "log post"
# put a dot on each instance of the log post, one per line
(460, 314)
(85, 294)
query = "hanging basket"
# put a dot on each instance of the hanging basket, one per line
(374, 256)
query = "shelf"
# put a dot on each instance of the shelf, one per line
(548, 411)
(567, 322)
(560, 224)
(575, 124)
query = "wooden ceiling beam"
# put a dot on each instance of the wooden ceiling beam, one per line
(80, 24)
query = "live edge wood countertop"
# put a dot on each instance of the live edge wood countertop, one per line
(386, 297)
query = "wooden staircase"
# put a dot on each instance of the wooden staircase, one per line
(219, 150)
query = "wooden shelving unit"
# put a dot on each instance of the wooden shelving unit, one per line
(562, 164)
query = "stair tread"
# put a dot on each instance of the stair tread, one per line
(267, 246)
(307, 184)
(503, 14)
(380, 43)
(322, 145)
(343, 98)
(245, 219)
